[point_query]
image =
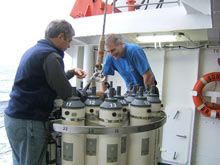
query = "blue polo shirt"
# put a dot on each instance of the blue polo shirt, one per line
(131, 67)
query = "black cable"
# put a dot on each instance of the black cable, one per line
(219, 36)
(147, 47)
(159, 4)
(178, 46)
(202, 46)
(147, 5)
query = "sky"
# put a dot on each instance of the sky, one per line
(23, 23)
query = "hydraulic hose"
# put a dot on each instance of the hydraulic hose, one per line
(102, 41)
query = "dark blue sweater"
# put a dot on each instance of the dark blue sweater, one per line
(31, 96)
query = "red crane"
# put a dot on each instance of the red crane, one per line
(85, 8)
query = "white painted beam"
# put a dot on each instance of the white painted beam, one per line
(167, 19)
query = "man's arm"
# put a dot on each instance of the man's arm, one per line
(56, 77)
(148, 78)
(103, 86)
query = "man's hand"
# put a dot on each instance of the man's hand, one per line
(79, 73)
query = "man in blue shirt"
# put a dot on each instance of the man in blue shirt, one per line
(129, 60)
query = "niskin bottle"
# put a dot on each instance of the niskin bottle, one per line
(53, 150)
(124, 138)
(131, 94)
(110, 145)
(51, 155)
(73, 113)
(92, 118)
(139, 143)
(124, 104)
(153, 98)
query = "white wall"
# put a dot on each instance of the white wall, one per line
(177, 72)
(206, 148)
(180, 73)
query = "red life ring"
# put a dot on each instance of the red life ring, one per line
(200, 105)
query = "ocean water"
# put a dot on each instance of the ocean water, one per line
(7, 74)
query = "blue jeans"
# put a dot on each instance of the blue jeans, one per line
(28, 140)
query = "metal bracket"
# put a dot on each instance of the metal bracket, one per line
(174, 155)
(182, 136)
(176, 115)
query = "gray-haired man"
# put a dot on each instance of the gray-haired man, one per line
(39, 79)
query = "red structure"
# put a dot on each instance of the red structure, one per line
(131, 2)
(85, 8)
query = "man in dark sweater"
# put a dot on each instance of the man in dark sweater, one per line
(40, 78)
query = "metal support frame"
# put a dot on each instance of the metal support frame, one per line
(155, 123)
